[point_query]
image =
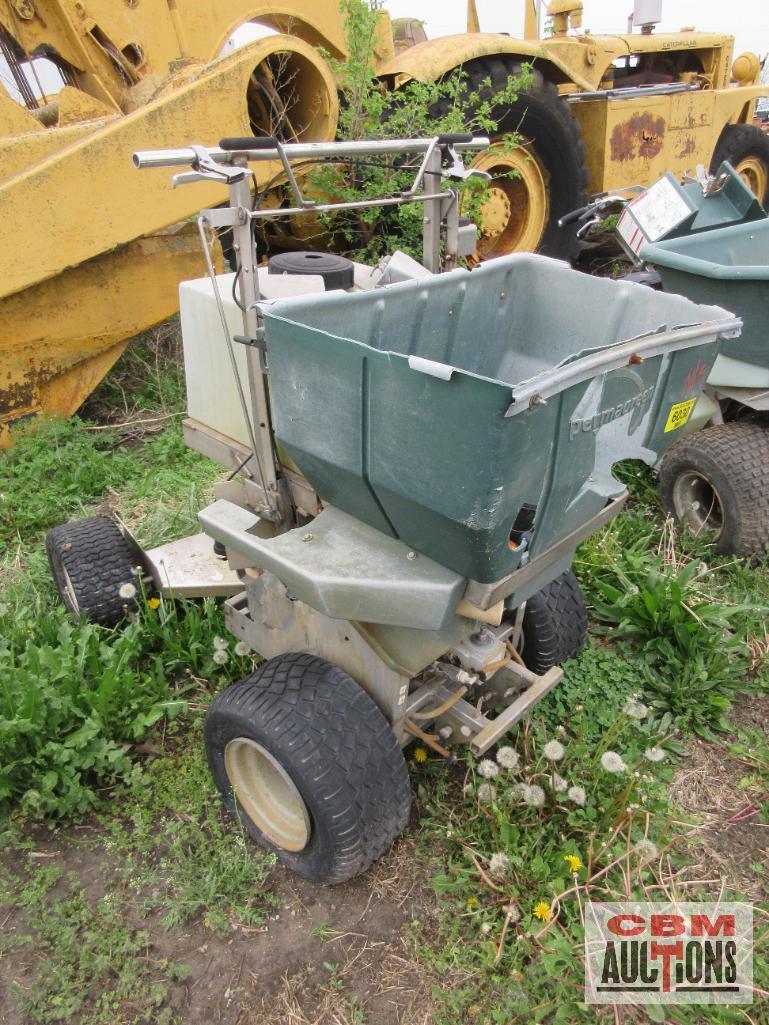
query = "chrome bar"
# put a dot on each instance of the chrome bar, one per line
(299, 151)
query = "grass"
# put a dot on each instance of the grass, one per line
(103, 728)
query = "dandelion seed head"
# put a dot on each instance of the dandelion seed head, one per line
(513, 912)
(558, 783)
(635, 709)
(241, 649)
(554, 750)
(577, 795)
(220, 656)
(612, 762)
(220, 643)
(488, 769)
(654, 754)
(535, 796)
(646, 850)
(519, 791)
(508, 757)
(498, 863)
(127, 591)
(486, 928)
(487, 792)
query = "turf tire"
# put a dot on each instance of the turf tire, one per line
(734, 459)
(337, 748)
(90, 561)
(554, 624)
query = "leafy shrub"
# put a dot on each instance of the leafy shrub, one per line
(75, 699)
(416, 110)
(691, 655)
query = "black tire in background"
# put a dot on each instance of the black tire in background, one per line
(554, 624)
(746, 148)
(544, 119)
(316, 732)
(725, 471)
(90, 562)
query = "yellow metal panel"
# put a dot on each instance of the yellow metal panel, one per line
(87, 198)
(60, 337)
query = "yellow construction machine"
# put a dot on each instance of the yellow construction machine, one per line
(92, 252)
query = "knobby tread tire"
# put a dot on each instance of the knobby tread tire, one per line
(739, 141)
(540, 115)
(98, 561)
(554, 624)
(733, 457)
(338, 749)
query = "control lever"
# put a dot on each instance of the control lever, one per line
(205, 168)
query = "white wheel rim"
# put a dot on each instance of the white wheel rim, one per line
(697, 502)
(267, 794)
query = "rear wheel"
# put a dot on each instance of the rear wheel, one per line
(94, 570)
(554, 624)
(305, 759)
(717, 481)
(746, 148)
(536, 182)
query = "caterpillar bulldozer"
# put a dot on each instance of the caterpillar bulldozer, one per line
(601, 112)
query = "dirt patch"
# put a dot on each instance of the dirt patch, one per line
(326, 954)
(730, 835)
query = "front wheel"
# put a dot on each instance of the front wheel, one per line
(94, 570)
(554, 625)
(746, 148)
(310, 766)
(717, 481)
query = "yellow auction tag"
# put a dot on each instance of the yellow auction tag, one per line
(679, 414)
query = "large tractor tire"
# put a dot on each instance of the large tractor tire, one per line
(537, 182)
(746, 148)
(310, 766)
(717, 481)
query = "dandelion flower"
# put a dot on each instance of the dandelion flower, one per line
(220, 656)
(472, 902)
(486, 928)
(241, 649)
(575, 863)
(635, 709)
(542, 910)
(487, 792)
(554, 750)
(513, 912)
(498, 864)
(420, 755)
(488, 769)
(220, 643)
(577, 795)
(654, 754)
(646, 851)
(127, 591)
(154, 603)
(612, 762)
(558, 783)
(520, 791)
(508, 757)
(535, 796)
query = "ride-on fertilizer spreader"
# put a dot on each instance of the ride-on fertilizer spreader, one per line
(414, 458)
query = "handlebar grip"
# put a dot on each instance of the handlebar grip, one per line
(249, 142)
(453, 137)
(574, 215)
